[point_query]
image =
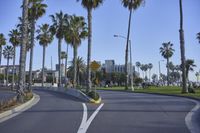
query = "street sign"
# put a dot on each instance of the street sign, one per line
(94, 66)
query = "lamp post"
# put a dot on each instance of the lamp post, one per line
(159, 68)
(131, 67)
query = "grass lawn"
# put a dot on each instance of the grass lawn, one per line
(173, 90)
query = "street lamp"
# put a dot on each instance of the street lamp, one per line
(159, 68)
(131, 67)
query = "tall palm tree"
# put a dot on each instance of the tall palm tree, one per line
(76, 32)
(24, 41)
(189, 66)
(197, 75)
(138, 64)
(59, 28)
(131, 5)
(150, 66)
(15, 37)
(36, 10)
(89, 5)
(182, 49)
(2, 43)
(45, 37)
(167, 51)
(142, 69)
(8, 53)
(198, 36)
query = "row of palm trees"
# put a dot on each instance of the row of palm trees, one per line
(144, 68)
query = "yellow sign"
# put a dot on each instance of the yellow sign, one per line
(94, 66)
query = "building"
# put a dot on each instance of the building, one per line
(3, 69)
(109, 66)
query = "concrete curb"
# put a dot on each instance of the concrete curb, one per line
(73, 92)
(19, 109)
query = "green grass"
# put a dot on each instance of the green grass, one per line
(172, 90)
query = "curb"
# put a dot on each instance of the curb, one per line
(19, 109)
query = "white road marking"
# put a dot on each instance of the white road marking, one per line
(86, 123)
(191, 125)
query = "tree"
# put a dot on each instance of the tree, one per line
(45, 37)
(2, 43)
(59, 28)
(138, 64)
(197, 75)
(77, 31)
(142, 69)
(63, 56)
(22, 72)
(198, 36)
(89, 5)
(145, 68)
(36, 10)
(182, 49)
(167, 51)
(131, 5)
(150, 66)
(154, 77)
(189, 64)
(15, 41)
(8, 53)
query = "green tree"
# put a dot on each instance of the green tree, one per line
(138, 64)
(2, 43)
(36, 10)
(77, 31)
(182, 49)
(8, 53)
(15, 41)
(198, 36)
(150, 66)
(189, 65)
(59, 29)
(89, 5)
(167, 51)
(131, 5)
(22, 61)
(45, 37)
(197, 75)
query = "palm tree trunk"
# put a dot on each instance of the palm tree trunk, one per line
(7, 71)
(182, 47)
(20, 90)
(75, 66)
(66, 61)
(31, 54)
(167, 72)
(0, 54)
(150, 75)
(13, 70)
(59, 57)
(43, 62)
(126, 51)
(89, 83)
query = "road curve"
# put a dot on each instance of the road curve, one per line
(141, 113)
(54, 113)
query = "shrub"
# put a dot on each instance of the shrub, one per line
(94, 95)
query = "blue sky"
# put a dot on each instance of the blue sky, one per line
(152, 24)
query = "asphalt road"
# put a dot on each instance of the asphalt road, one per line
(121, 113)
(6, 95)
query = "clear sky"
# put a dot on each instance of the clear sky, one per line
(152, 24)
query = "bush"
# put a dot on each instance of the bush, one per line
(94, 95)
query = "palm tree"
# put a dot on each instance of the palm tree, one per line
(63, 56)
(182, 49)
(197, 75)
(150, 66)
(8, 53)
(89, 5)
(189, 64)
(167, 51)
(15, 37)
(2, 43)
(24, 41)
(59, 28)
(138, 64)
(36, 10)
(198, 36)
(76, 32)
(131, 5)
(142, 69)
(45, 37)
